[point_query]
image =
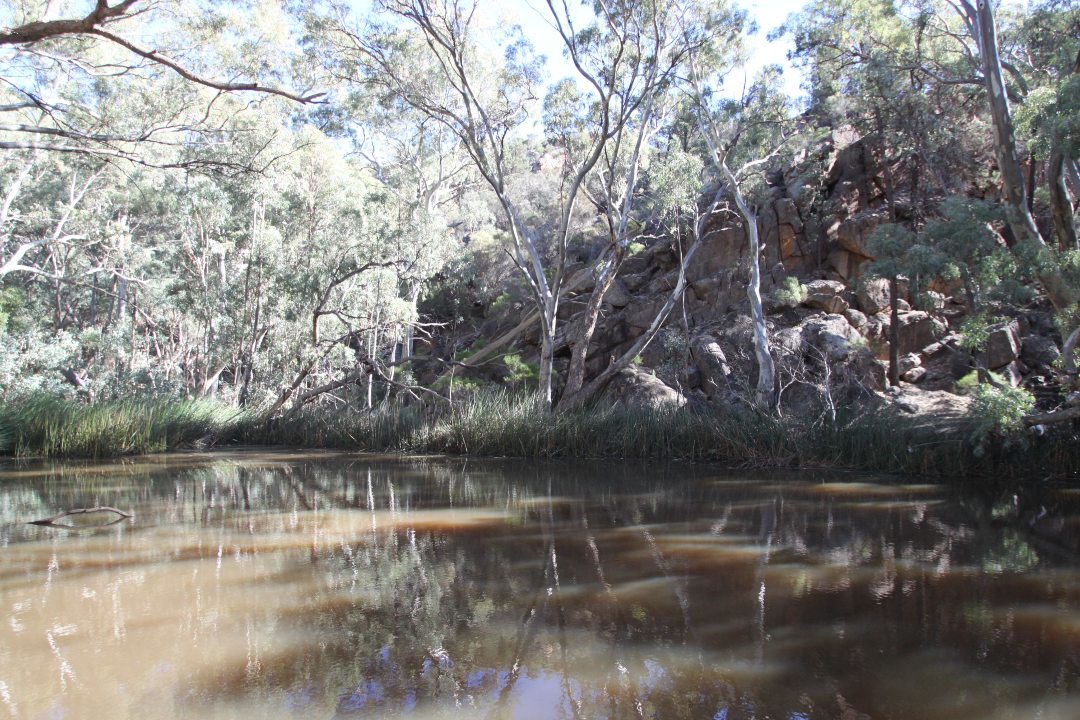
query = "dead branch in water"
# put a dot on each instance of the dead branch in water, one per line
(51, 522)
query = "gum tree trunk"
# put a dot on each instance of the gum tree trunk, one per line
(765, 396)
(1060, 204)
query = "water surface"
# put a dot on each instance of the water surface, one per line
(276, 585)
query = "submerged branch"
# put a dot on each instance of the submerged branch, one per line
(52, 521)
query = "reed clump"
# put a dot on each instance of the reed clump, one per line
(51, 427)
(501, 424)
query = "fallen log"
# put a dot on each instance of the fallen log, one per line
(1071, 412)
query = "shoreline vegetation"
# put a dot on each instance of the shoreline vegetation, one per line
(502, 424)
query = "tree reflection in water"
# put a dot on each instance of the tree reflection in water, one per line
(277, 585)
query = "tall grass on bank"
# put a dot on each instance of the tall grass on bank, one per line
(51, 427)
(386, 428)
(505, 425)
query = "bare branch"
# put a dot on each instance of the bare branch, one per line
(160, 59)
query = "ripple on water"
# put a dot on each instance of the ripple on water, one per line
(262, 585)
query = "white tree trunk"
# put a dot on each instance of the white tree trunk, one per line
(765, 396)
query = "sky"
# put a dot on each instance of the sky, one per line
(533, 17)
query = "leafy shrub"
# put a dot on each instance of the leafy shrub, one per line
(998, 413)
(519, 370)
(791, 292)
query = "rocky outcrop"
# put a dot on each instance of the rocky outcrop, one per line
(832, 332)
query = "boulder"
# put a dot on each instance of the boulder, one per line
(938, 404)
(788, 341)
(707, 288)
(664, 283)
(570, 307)
(877, 326)
(1039, 350)
(919, 329)
(618, 295)
(914, 375)
(723, 247)
(910, 361)
(931, 301)
(1003, 344)
(866, 370)
(826, 295)
(664, 256)
(856, 318)
(787, 213)
(635, 387)
(848, 265)
(712, 366)
(873, 296)
(832, 335)
(635, 281)
(853, 234)
(932, 349)
(641, 314)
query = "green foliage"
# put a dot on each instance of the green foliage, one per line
(969, 384)
(960, 246)
(963, 245)
(11, 303)
(475, 347)
(790, 292)
(31, 361)
(891, 246)
(674, 180)
(1050, 116)
(975, 332)
(518, 370)
(997, 414)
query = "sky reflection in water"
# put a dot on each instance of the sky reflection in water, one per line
(335, 586)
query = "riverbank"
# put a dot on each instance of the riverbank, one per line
(505, 425)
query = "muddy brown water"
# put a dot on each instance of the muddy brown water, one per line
(314, 585)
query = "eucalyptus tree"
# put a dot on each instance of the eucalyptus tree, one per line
(101, 94)
(623, 57)
(1049, 117)
(60, 75)
(743, 137)
(423, 166)
(644, 47)
(28, 221)
(1055, 271)
(332, 286)
(430, 58)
